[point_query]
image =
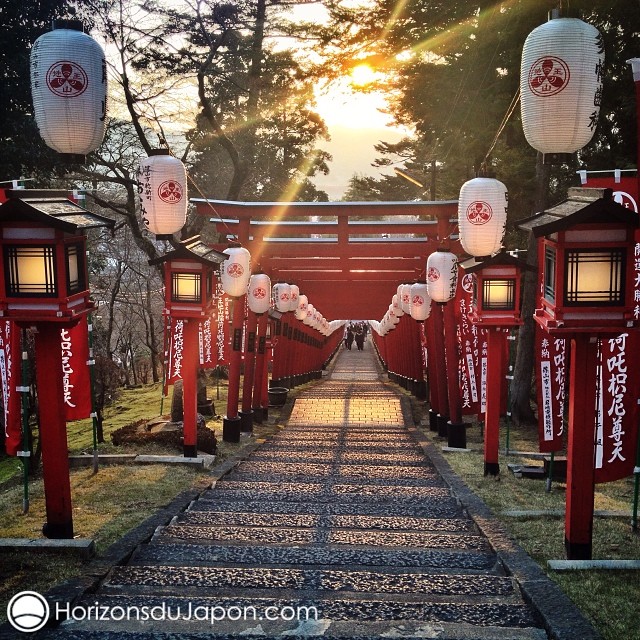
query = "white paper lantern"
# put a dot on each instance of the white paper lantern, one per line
(396, 306)
(259, 293)
(404, 297)
(302, 308)
(442, 275)
(235, 271)
(420, 301)
(162, 186)
(293, 301)
(310, 313)
(281, 296)
(69, 89)
(561, 85)
(482, 216)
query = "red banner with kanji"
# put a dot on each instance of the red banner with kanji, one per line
(176, 350)
(551, 366)
(10, 360)
(222, 320)
(208, 358)
(617, 407)
(469, 341)
(76, 376)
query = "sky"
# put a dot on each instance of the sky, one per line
(356, 123)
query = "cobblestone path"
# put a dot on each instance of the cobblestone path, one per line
(341, 512)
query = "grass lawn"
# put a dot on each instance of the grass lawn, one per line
(610, 599)
(105, 505)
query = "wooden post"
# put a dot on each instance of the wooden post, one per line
(440, 366)
(53, 432)
(261, 354)
(578, 525)
(246, 415)
(231, 422)
(190, 365)
(495, 349)
(432, 373)
(456, 430)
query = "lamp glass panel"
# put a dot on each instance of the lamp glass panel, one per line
(31, 271)
(75, 269)
(498, 294)
(550, 274)
(595, 277)
(186, 287)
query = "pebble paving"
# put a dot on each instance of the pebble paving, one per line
(341, 511)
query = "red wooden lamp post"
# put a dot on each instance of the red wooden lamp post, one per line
(442, 279)
(235, 272)
(585, 247)
(188, 282)
(495, 306)
(44, 285)
(259, 302)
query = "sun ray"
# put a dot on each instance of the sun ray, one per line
(288, 195)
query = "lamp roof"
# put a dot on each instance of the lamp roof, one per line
(51, 208)
(503, 257)
(581, 207)
(193, 249)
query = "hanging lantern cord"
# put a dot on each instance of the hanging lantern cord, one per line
(507, 116)
(217, 215)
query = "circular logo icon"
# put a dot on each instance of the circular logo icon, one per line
(284, 297)
(28, 611)
(260, 293)
(433, 274)
(67, 79)
(467, 283)
(170, 192)
(548, 75)
(479, 212)
(625, 199)
(417, 301)
(235, 270)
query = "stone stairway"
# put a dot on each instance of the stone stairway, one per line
(339, 527)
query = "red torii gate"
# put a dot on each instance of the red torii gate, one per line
(347, 257)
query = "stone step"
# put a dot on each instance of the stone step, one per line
(437, 507)
(193, 580)
(247, 477)
(253, 469)
(329, 609)
(388, 523)
(187, 554)
(304, 491)
(360, 457)
(212, 535)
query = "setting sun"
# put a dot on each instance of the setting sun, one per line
(362, 75)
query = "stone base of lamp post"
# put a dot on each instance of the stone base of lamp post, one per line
(491, 468)
(433, 420)
(443, 426)
(246, 421)
(231, 429)
(457, 435)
